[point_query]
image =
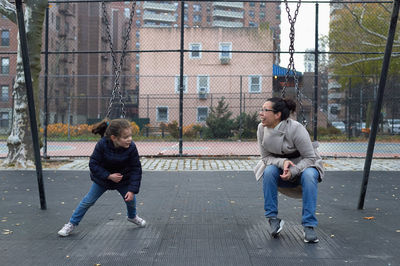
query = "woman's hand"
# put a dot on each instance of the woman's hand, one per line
(116, 177)
(286, 175)
(129, 196)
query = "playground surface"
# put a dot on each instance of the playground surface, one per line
(197, 218)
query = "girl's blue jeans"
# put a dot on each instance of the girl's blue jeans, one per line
(309, 182)
(91, 197)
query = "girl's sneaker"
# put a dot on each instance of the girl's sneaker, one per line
(138, 221)
(66, 230)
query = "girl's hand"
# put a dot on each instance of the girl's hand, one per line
(129, 196)
(286, 175)
(116, 177)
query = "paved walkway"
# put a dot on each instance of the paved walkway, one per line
(194, 164)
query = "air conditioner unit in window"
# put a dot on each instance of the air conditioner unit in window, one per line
(225, 60)
(203, 93)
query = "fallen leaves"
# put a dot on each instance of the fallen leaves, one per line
(369, 218)
(6, 232)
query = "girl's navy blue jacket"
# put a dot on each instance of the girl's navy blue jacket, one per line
(106, 159)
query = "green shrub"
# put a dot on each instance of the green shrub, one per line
(173, 129)
(249, 125)
(219, 122)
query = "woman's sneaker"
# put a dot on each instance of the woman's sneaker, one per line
(138, 221)
(66, 230)
(276, 225)
(309, 235)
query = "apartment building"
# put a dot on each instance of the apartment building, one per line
(8, 61)
(89, 92)
(212, 14)
(80, 84)
(243, 80)
(62, 66)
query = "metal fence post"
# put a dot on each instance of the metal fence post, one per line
(46, 73)
(181, 79)
(315, 122)
(240, 108)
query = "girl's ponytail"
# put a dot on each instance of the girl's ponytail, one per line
(100, 127)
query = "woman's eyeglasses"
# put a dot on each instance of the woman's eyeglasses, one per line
(266, 110)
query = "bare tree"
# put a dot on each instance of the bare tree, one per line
(20, 147)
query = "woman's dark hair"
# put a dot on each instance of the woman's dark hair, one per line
(113, 127)
(283, 105)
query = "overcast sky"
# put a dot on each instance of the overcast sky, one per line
(304, 30)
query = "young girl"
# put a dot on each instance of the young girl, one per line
(114, 164)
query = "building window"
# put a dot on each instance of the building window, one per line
(5, 65)
(177, 81)
(203, 84)
(4, 93)
(225, 49)
(127, 12)
(252, 24)
(252, 4)
(251, 13)
(202, 114)
(254, 84)
(162, 114)
(197, 18)
(262, 15)
(138, 13)
(196, 8)
(5, 38)
(262, 4)
(335, 110)
(4, 119)
(196, 50)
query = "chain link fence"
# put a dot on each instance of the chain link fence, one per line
(233, 58)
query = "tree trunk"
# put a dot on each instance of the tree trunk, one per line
(20, 145)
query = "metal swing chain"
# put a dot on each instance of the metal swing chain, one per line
(291, 66)
(117, 68)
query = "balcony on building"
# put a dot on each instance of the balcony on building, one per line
(147, 5)
(151, 16)
(228, 4)
(227, 24)
(228, 14)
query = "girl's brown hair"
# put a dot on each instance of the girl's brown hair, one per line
(111, 127)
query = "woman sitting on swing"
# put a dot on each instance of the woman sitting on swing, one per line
(288, 160)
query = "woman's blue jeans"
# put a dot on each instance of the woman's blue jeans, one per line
(91, 197)
(309, 183)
